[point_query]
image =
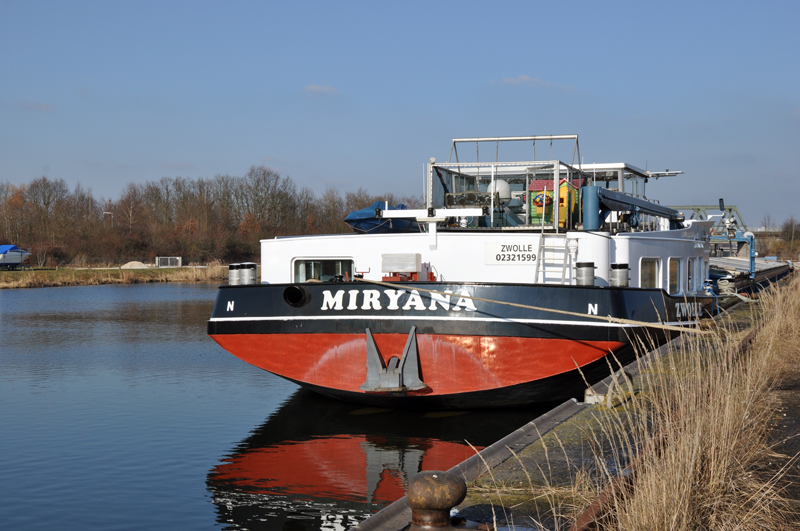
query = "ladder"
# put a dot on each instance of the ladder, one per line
(553, 254)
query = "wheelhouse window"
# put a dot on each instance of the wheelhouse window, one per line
(648, 273)
(311, 269)
(691, 274)
(674, 286)
(697, 273)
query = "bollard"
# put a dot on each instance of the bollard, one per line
(584, 273)
(431, 495)
(619, 275)
(233, 274)
(247, 273)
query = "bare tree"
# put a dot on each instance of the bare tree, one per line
(129, 209)
(46, 196)
(768, 222)
(789, 230)
(330, 213)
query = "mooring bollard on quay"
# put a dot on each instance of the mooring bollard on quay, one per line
(431, 496)
(398, 515)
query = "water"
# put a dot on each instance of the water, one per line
(118, 412)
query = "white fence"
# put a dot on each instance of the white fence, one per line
(168, 261)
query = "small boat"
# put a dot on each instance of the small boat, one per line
(12, 257)
(523, 282)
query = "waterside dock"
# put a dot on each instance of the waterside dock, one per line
(545, 454)
(735, 274)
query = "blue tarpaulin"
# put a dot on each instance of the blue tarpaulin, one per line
(5, 248)
(364, 220)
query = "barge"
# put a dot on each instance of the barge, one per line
(521, 282)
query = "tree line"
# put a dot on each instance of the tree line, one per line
(219, 219)
(783, 240)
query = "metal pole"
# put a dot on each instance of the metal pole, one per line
(556, 192)
(491, 198)
(568, 204)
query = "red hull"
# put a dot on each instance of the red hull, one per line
(450, 364)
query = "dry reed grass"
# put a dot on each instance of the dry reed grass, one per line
(697, 440)
(688, 447)
(91, 277)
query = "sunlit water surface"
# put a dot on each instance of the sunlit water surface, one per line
(118, 412)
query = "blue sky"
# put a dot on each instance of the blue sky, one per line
(361, 94)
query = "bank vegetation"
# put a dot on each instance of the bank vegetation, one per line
(697, 442)
(201, 220)
(41, 278)
(689, 443)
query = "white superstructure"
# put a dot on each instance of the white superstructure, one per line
(483, 223)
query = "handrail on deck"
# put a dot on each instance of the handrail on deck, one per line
(575, 150)
(514, 138)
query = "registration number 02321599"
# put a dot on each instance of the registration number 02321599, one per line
(511, 253)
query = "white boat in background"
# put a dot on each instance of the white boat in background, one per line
(12, 257)
(509, 293)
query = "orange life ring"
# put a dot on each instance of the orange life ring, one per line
(541, 199)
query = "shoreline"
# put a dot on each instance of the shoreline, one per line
(46, 278)
(548, 481)
(547, 473)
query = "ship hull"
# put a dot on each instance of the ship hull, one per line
(474, 345)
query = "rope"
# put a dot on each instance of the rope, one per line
(607, 318)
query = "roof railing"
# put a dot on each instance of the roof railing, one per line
(497, 139)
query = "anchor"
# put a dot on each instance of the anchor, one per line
(400, 374)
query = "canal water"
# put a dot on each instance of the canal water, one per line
(118, 412)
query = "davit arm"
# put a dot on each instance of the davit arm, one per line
(598, 202)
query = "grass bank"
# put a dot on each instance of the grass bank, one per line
(689, 444)
(91, 277)
(697, 442)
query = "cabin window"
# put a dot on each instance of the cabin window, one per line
(696, 273)
(674, 276)
(691, 274)
(648, 273)
(322, 270)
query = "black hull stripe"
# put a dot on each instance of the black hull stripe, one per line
(436, 318)
(574, 332)
(588, 305)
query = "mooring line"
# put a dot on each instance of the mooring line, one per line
(607, 318)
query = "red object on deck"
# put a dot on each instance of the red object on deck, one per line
(426, 275)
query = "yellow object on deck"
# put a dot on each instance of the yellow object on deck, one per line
(541, 204)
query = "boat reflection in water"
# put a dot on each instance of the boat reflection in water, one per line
(323, 464)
